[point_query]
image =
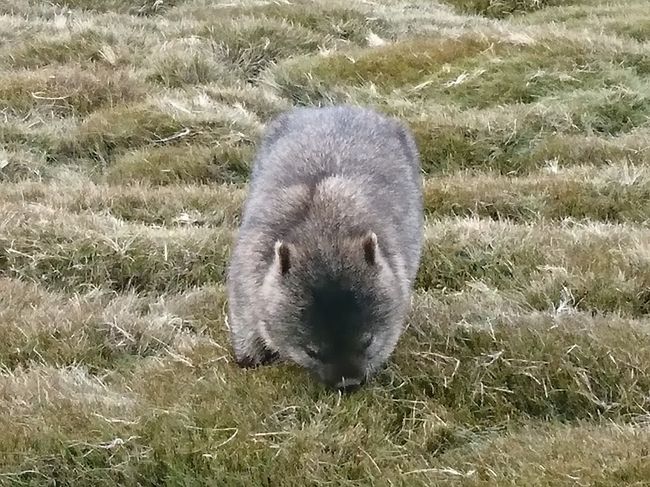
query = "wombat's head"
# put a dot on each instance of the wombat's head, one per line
(336, 309)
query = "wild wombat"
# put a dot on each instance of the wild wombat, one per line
(329, 244)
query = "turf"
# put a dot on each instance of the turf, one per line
(127, 131)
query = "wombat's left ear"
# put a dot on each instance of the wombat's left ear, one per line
(283, 256)
(370, 248)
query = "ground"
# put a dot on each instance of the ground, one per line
(126, 135)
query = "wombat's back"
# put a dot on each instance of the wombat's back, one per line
(374, 154)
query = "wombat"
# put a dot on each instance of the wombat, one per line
(329, 244)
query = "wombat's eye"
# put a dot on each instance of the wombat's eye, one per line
(313, 353)
(366, 342)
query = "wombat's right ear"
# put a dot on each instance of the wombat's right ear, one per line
(370, 248)
(283, 256)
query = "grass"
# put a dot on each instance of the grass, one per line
(501, 8)
(69, 91)
(91, 251)
(125, 147)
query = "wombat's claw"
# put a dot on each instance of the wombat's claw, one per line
(264, 358)
(269, 356)
(247, 362)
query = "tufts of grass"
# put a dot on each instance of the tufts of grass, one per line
(637, 29)
(467, 71)
(551, 100)
(189, 62)
(601, 455)
(385, 67)
(618, 193)
(79, 48)
(250, 46)
(20, 165)
(614, 193)
(68, 91)
(123, 127)
(517, 142)
(110, 131)
(470, 413)
(210, 205)
(592, 266)
(86, 251)
(98, 328)
(629, 19)
(43, 136)
(263, 103)
(506, 362)
(502, 8)
(147, 7)
(527, 75)
(177, 71)
(336, 22)
(182, 164)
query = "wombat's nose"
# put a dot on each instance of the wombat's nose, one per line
(348, 384)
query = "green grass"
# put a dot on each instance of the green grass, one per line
(67, 92)
(122, 6)
(91, 251)
(79, 47)
(126, 136)
(168, 165)
(625, 18)
(503, 8)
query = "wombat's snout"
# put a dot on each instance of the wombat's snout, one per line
(348, 384)
(345, 379)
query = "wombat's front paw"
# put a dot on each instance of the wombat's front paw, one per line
(269, 356)
(247, 362)
(263, 357)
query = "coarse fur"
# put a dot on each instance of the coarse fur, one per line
(329, 244)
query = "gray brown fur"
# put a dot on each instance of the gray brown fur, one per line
(329, 244)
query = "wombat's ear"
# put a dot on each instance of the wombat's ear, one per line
(283, 256)
(370, 248)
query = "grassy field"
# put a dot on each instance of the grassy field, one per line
(126, 134)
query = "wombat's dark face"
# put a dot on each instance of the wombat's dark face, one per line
(338, 315)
